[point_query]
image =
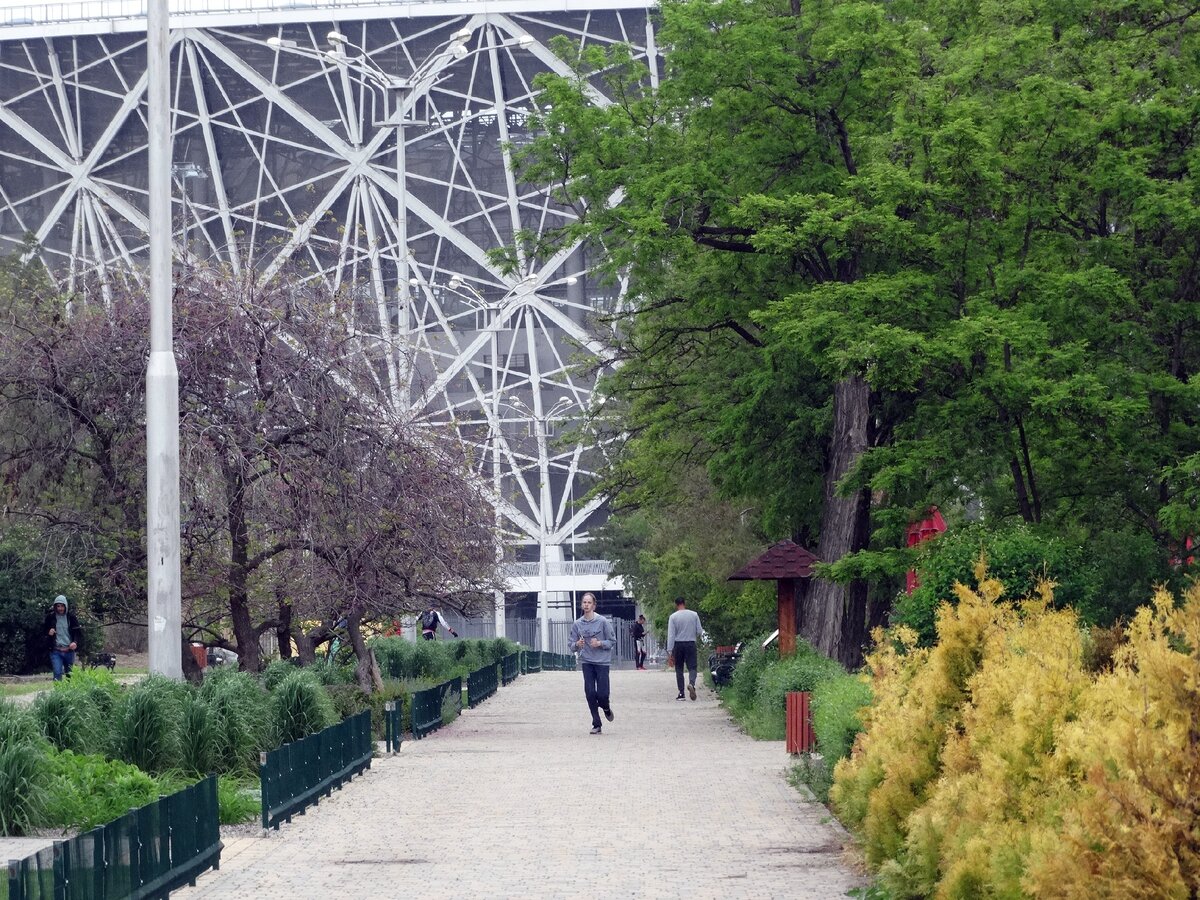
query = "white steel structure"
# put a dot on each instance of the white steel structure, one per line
(284, 163)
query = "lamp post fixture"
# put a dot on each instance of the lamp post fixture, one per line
(540, 422)
(163, 613)
(398, 94)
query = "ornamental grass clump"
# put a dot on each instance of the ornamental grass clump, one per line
(300, 707)
(145, 729)
(999, 762)
(23, 756)
(243, 724)
(199, 736)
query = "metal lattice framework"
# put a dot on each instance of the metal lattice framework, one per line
(283, 165)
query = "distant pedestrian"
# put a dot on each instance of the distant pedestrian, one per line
(592, 637)
(430, 620)
(683, 632)
(639, 643)
(64, 637)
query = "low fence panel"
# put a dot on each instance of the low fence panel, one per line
(433, 707)
(296, 775)
(147, 853)
(510, 668)
(481, 684)
(533, 660)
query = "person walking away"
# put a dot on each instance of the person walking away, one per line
(639, 643)
(683, 632)
(430, 620)
(64, 636)
(592, 637)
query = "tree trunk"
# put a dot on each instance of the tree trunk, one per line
(283, 630)
(367, 672)
(244, 632)
(834, 619)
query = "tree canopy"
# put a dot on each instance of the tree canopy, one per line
(883, 256)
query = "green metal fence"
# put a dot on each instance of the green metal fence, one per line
(558, 662)
(533, 660)
(481, 684)
(510, 668)
(296, 775)
(147, 853)
(435, 706)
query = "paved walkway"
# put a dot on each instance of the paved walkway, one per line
(516, 799)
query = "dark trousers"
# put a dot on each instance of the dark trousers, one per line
(595, 688)
(685, 652)
(429, 635)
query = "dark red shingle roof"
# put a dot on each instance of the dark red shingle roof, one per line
(785, 560)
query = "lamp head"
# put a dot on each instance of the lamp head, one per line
(458, 51)
(462, 35)
(280, 42)
(525, 41)
(336, 38)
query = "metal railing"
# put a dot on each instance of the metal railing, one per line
(481, 684)
(510, 668)
(148, 852)
(531, 661)
(296, 775)
(436, 706)
(393, 728)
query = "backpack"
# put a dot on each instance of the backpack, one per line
(429, 620)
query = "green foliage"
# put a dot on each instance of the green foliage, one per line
(757, 694)
(392, 690)
(275, 671)
(244, 724)
(65, 720)
(813, 773)
(146, 728)
(238, 800)
(27, 584)
(199, 736)
(86, 790)
(23, 756)
(1018, 555)
(300, 706)
(837, 703)
(434, 661)
(329, 673)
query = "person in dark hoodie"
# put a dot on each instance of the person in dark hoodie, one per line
(592, 637)
(64, 636)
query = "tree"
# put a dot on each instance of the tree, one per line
(951, 249)
(303, 495)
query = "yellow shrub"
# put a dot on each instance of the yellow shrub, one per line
(997, 765)
(1135, 829)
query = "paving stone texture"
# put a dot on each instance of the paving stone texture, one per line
(517, 799)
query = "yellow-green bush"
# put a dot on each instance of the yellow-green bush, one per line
(998, 764)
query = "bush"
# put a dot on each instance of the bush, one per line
(145, 732)
(300, 707)
(78, 712)
(199, 736)
(86, 790)
(23, 776)
(744, 685)
(1018, 556)
(276, 671)
(392, 690)
(244, 725)
(348, 699)
(329, 673)
(26, 586)
(837, 704)
(996, 764)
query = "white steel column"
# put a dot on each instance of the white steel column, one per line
(162, 377)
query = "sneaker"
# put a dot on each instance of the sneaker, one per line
(595, 730)
(608, 714)
(680, 697)
(692, 691)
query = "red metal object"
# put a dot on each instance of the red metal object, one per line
(800, 737)
(923, 531)
(200, 654)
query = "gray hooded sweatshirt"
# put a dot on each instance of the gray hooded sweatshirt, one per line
(599, 627)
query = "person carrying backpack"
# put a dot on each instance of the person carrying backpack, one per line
(430, 619)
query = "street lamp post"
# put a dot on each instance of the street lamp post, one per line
(541, 423)
(163, 613)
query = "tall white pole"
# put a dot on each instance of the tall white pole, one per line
(162, 377)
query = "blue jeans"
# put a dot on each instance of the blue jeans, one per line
(595, 688)
(61, 662)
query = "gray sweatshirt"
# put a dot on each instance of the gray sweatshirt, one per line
(684, 625)
(598, 627)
